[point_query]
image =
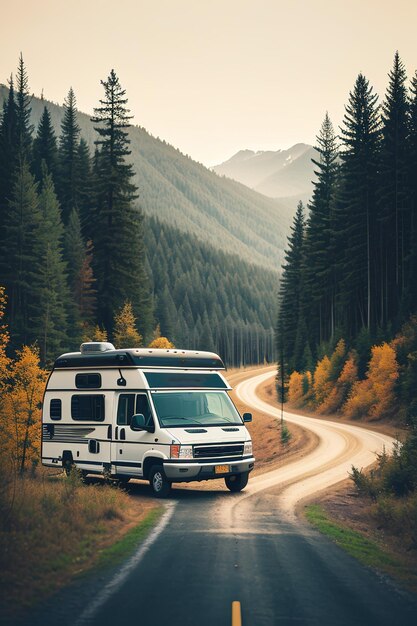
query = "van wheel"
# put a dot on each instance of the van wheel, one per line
(237, 482)
(160, 484)
(67, 465)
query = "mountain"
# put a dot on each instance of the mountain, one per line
(183, 193)
(277, 174)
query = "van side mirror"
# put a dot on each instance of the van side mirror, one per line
(247, 417)
(138, 423)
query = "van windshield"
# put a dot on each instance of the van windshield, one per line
(195, 408)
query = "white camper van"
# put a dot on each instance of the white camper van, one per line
(160, 415)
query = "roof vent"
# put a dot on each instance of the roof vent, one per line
(96, 346)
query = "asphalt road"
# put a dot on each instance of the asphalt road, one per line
(215, 547)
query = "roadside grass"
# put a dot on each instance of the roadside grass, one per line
(116, 552)
(53, 529)
(366, 551)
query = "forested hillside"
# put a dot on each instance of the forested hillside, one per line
(185, 194)
(347, 328)
(84, 251)
(208, 299)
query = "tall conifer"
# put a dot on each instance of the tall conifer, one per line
(68, 157)
(119, 251)
(23, 112)
(356, 220)
(393, 192)
(45, 147)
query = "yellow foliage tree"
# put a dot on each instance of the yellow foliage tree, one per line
(342, 387)
(4, 340)
(125, 334)
(21, 410)
(99, 334)
(295, 388)
(322, 385)
(161, 342)
(374, 397)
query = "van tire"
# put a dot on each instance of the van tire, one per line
(237, 482)
(160, 484)
(67, 464)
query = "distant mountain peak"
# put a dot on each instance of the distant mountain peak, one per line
(275, 173)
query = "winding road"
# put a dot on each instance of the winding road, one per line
(213, 548)
(341, 446)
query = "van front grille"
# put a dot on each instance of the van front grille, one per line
(217, 451)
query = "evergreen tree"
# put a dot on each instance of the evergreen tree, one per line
(290, 290)
(85, 189)
(45, 147)
(393, 192)
(412, 181)
(356, 236)
(23, 112)
(320, 280)
(50, 324)
(8, 167)
(68, 157)
(119, 258)
(20, 275)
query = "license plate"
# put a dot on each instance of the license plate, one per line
(221, 469)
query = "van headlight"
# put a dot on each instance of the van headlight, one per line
(181, 452)
(247, 448)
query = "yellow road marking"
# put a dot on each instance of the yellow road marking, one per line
(236, 614)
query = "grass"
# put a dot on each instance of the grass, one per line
(53, 529)
(116, 552)
(368, 552)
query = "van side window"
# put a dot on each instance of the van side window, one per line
(88, 381)
(87, 408)
(55, 409)
(125, 408)
(142, 406)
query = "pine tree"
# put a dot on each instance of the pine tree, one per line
(320, 279)
(45, 147)
(85, 189)
(68, 157)
(356, 237)
(393, 192)
(412, 180)
(8, 167)
(50, 324)
(23, 112)
(290, 290)
(119, 257)
(20, 276)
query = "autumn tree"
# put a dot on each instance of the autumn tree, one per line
(295, 388)
(322, 383)
(375, 396)
(125, 334)
(161, 342)
(21, 418)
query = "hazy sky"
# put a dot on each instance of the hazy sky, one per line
(212, 76)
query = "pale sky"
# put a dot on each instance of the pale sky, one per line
(212, 77)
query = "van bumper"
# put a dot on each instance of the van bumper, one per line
(187, 471)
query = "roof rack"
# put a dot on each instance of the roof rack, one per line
(99, 356)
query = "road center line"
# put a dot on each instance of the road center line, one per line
(236, 614)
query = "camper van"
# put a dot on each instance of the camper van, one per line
(160, 415)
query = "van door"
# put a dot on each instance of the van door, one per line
(130, 446)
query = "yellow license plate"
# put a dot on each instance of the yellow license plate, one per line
(221, 469)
